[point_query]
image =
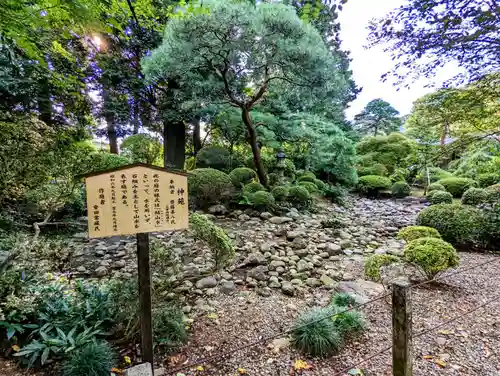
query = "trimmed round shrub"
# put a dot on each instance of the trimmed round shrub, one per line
(213, 157)
(280, 193)
(303, 173)
(458, 224)
(298, 194)
(493, 193)
(486, 180)
(273, 178)
(289, 168)
(414, 232)
(242, 175)
(95, 359)
(431, 255)
(262, 200)
(375, 169)
(320, 184)
(311, 187)
(436, 187)
(310, 178)
(371, 185)
(457, 186)
(208, 186)
(314, 336)
(254, 187)
(441, 197)
(401, 189)
(474, 196)
(169, 328)
(375, 262)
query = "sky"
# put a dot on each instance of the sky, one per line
(369, 64)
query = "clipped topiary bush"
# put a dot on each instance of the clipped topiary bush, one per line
(371, 185)
(493, 193)
(401, 189)
(307, 177)
(375, 262)
(95, 358)
(436, 187)
(474, 196)
(457, 186)
(289, 168)
(486, 180)
(253, 187)
(242, 175)
(458, 224)
(262, 200)
(315, 336)
(280, 193)
(431, 255)
(375, 169)
(213, 157)
(208, 186)
(299, 195)
(321, 185)
(311, 187)
(273, 178)
(414, 232)
(441, 197)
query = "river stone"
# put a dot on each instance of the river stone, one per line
(254, 259)
(327, 281)
(259, 273)
(217, 209)
(287, 288)
(302, 266)
(101, 271)
(290, 235)
(244, 217)
(265, 215)
(334, 249)
(227, 287)
(206, 283)
(313, 282)
(299, 243)
(280, 220)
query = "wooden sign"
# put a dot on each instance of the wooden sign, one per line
(136, 199)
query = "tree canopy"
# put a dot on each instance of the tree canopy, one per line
(378, 117)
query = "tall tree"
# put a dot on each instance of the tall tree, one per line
(240, 51)
(378, 116)
(424, 35)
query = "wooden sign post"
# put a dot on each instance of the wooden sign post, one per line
(138, 199)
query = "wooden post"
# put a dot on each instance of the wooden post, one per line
(401, 330)
(145, 297)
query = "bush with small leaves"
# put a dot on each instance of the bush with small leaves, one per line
(273, 179)
(435, 174)
(429, 195)
(214, 157)
(343, 300)
(218, 240)
(316, 336)
(401, 189)
(253, 187)
(348, 322)
(308, 177)
(436, 187)
(486, 180)
(299, 195)
(190, 164)
(336, 193)
(311, 187)
(371, 185)
(242, 175)
(474, 196)
(280, 193)
(93, 359)
(375, 169)
(262, 200)
(414, 232)
(320, 184)
(208, 186)
(493, 193)
(169, 328)
(457, 186)
(431, 255)
(440, 197)
(375, 262)
(305, 174)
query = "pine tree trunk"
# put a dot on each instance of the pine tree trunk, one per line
(247, 120)
(110, 123)
(174, 143)
(444, 133)
(196, 135)
(135, 119)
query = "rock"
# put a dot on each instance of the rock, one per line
(313, 282)
(361, 289)
(227, 287)
(302, 266)
(287, 288)
(191, 271)
(265, 291)
(290, 235)
(244, 217)
(327, 281)
(225, 275)
(344, 235)
(101, 271)
(266, 247)
(206, 283)
(121, 254)
(143, 369)
(299, 243)
(345, 244)
(254, 259)
(81, 269)
(120, 264)
(217, 210)
(274, 285)
(301, 252)
(334, 249)
(100, 253)
(265, 215)
(81, 235)
(280, 220)
(259, 273)
(276, 263)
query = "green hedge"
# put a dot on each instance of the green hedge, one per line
(242, 175)
(414, 232)
(486, 180)
(441, 197)
(436, 187)
(311, 187)
(401, 189)
(299, 195)
(371, 185)
(254, 187)
(262, 200)
(375, 169)
(474, 196)
(457, 186)
(209, 186)
(280, 193)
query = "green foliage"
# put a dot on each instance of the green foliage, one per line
(215, 237)
(474, 196)
(142, 148)
(93, 359)
(208, 186)
(190, 164)
(169, 328)
(299, 195)
(435, 174)
(273, 179)
(440, 197)
(460, 225)
(336, 194)
(371, 185)
(431, 255)
(307, 177)
(320, 184)
(378, 117)
(457, 186)
(485, 180)
(315, 336)
(493, 193)
(410, 233)
(436, 187)
(375, 262)
(214, 157)
(333, 221)
(102, 160)
(375, 169)
(311, 187)
(401, 189)
(280, 194)
(253, 187)
(343, 300)
(348, 322)
(242, 176)
(262, 200)
(491, 224)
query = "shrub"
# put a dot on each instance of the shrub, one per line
(376, 169)
(436, 187)
(485, 180)
(315, 336)
(273, 178)
(457, 186)
(253, 187)
(169, 328)
(371, 185)
(493, 193)
(94, 359)
(262, 200)
(336, 193)
(401, 189)
(143, 148)
(435, 174)
(289, 168)
(460, 225)
(190, 164)
(321, 185)
(474, 196)
(307, 177)
(440, 197)
(343, 300)
(491, 227)
(299, 195)
(348, 322)
(280, 193)
(431, 255)
(215, 237)
(311, 187)
(213, 157)
(242, 175)
(375, 262)
(414, 232)
(208, 186)
(103, 160)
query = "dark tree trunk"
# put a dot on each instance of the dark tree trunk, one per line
(252, 139)
(45, 103)
(196, 135)
(444, 133)
(174, 144)
(110, 122)
(135, 120)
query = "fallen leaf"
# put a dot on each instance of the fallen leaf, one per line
(440, 363)
(446, 332)
(127, 360)
(279, 343)
(355, 372)
(116, 370)
(301, 364)
(16, 348)
(180, 374)
(487, 352)
(200, 368)
(428, 357)
(212, 316)
(242, 371)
